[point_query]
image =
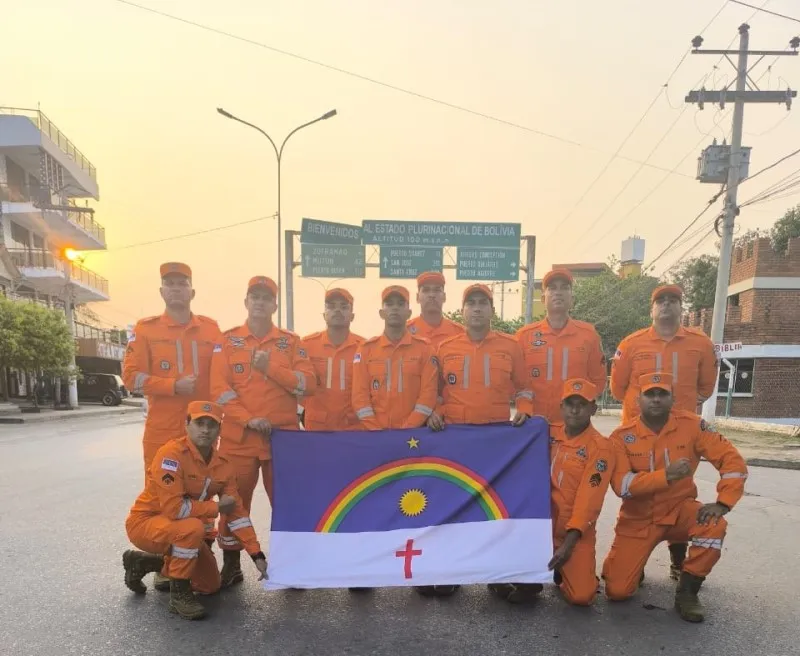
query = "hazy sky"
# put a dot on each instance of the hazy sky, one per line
(137, 94)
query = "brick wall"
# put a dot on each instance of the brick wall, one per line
(699, 319)
(776, 391)
(758, 259)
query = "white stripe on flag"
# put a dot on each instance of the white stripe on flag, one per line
(500, 551)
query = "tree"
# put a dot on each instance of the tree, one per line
(509, 326)
(45, 344)
(616, 306)
(784, 229)
(698, 278)
(9, 338)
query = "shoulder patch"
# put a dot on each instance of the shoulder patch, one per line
(169, 464)
(168, 479)
(357, 357)
(217, 348)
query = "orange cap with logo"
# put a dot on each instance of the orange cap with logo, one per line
(555, 274)
(655, 381)
(394, 289)
(263, 281)
(430, 278)
(479, 289)
(172, 268)
(675, 290)
(579, 387)
(205, 409)
(341, 293)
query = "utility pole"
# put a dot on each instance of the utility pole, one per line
(530, 254)
(502, 300)
(741, 96)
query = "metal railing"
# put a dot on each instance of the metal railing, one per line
(46, 126)
(40, 259)
(85, 221)
(84, 330)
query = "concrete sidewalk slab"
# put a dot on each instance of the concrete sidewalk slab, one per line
(84, 412)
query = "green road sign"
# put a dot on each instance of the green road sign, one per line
(441, 233)
(333, 260)
(313, 231)
(409, 261)
(487, 263)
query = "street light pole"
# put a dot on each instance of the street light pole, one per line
(279, 156)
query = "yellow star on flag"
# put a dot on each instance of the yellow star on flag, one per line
(413, 443)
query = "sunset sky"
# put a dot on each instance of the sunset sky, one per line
(137, 93)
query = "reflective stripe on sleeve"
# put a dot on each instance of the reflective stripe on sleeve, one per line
(186, 508)
(363, 413)
(423, 409)
(226, 397)
(139, 380)
(183, 552)
(525, 394)
(301, 382)
(734, 475)
(707, 543)
(625, 492)
(243, 522)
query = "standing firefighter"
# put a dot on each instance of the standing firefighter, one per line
(559, 348)
(331, 353)
(431, 322)
(582, 461)
(482, 371)
(666, 346)
(656, 456)
(258, 373)
(169, 518)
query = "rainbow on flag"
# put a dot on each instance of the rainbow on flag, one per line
(470, 504)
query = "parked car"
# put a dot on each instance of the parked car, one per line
(106, 388)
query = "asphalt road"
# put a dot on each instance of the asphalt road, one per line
(66, 489)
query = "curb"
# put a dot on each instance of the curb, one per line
(67, 415)
(774, 464)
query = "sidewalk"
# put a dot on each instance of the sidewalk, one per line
(86, 410)
(760, 449)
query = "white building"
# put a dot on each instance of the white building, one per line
(46, 184)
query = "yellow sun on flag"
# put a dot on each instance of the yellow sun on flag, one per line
(413, 502)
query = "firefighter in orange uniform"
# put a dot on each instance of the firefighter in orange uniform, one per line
(168, 359)
(331, 353)
(559, 348)
(169, 518)
(481, 372)
(431, 322)
(582, 461)
(656, 455)
(666, 346)
(395, 375)
(257, 374)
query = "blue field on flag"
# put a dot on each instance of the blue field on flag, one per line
(469, 504)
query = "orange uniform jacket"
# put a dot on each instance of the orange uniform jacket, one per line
(640, 473)
(434, 334)
(478, 381)
(161, 351)
(182, 485)
(689, 357)
(246, 393)
(330, 408)
(580, 472)
(554, 357)
(394, 384)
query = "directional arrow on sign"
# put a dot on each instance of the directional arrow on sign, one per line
(386, 261)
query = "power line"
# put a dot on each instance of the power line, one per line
(767, 11)
(372, 80)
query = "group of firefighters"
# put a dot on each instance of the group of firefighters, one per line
(215, 397)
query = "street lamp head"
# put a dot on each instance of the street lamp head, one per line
(328, 115)
(224, 113)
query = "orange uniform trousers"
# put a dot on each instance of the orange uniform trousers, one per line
(182, 543)
(247, 469)
(578, 575)
(625, 562)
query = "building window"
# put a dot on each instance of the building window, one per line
(742, 377)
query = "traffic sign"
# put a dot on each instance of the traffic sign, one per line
(313, 231)
(409, 261)
(440, 233)
(333, 260)
(487, 263)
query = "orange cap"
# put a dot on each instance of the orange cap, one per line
(205, 409)
(655, 381)
(263, 281)
(479, 288)
(394, 289)
(666, 289)
(564, 274)
(430, 278)
(341, 292)
(176, 267)
(579, 387)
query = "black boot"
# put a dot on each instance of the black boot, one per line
(139, 564)
(231, 569)
(182, 600)
(677, 554)
(686, 601)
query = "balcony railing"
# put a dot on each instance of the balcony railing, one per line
(46, 126)
(85, 221)
(86, 331)
(40, 259)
